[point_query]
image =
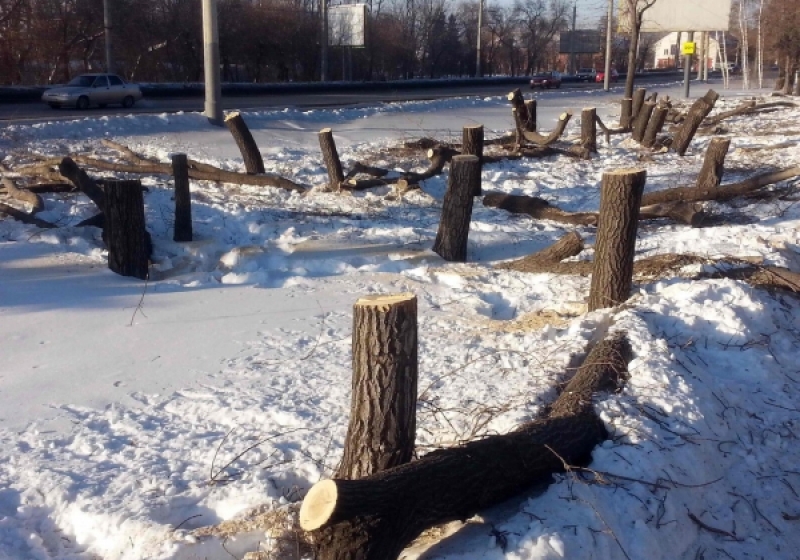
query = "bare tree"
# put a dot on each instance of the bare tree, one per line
(634, 14)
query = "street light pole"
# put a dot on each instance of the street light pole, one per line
(211, 63)
(107, 27)
(324, 54)
(480, 26)
(606, 77)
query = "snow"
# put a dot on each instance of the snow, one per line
(129, 410)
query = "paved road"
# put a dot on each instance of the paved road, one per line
(39, 112)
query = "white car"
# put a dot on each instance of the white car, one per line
(89, 90)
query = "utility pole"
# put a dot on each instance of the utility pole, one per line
(480, 26)
(701, 46)
(107, 27)
(687, 67)
(211, 63)
(324, 53)
(572, 38)
(609, 27)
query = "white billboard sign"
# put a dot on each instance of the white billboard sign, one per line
(682, 15)
(347, 25)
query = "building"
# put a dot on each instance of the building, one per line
(667, 49)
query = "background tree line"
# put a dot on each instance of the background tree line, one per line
(49, 41)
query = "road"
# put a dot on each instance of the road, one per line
(27, 112)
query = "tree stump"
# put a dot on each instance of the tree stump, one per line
(654, 126)
(382, 428)
(626, 113)
(637, 102)
(374, 518)
(589, 129)
(183, 199)
(451, 239)
(331, 157)
(713, 164)
(641, 121)
(472, 145)
(124, 232)
(530, 106)
(253, 162)
(699, 111)
(518, 103)
(620, 198)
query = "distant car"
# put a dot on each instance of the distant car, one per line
(90, 90)
(601, 76)
(546, 80)
(586, 74)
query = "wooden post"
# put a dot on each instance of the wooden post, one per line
(654, 126)
(589, 129)
(472, 145)
(641, 121)
(714, 164)
(612, 273)
(382, 428)
(183, 199)
(253, 163)
(125, 234)
(530, 107)
(331, 157)
(699, 111)
(451, 239)
(626, 116)
(637, 103)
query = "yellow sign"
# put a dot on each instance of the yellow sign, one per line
(688, 48)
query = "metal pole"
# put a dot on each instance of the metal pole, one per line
(211, 59)
(687, 65)
(480, 26)
(572, 39)
(324, 53)
(607, 77)
(107, 27)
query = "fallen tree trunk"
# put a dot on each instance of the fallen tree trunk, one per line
(23, 195)
(540, 209)
(374, 518)
(541, 140)
(197, 171)
(438, 156)
(70, 170)
(723, 192)
(748, 108)
(567, 246)
(24, 217)
(609, 131)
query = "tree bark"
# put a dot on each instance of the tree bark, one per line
(331, 157)
(183, 199)
(626, 113)
(253, 162)
(451, 239)
(637, 102)
(374, 518)
(472, 145)
(642, 120)
(78, 177)
(567, 246)
(124, 231)
(23, 195)
(518, 104)
(589, 129)
(620, 199)
(654, 126)
(530, 106)
(699, 111)
(713, 164)
(382, 428)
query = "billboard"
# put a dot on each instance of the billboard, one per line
(680, 15)
(347, 25)
(580, 41)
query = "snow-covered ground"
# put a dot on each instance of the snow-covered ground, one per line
(125, 427)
